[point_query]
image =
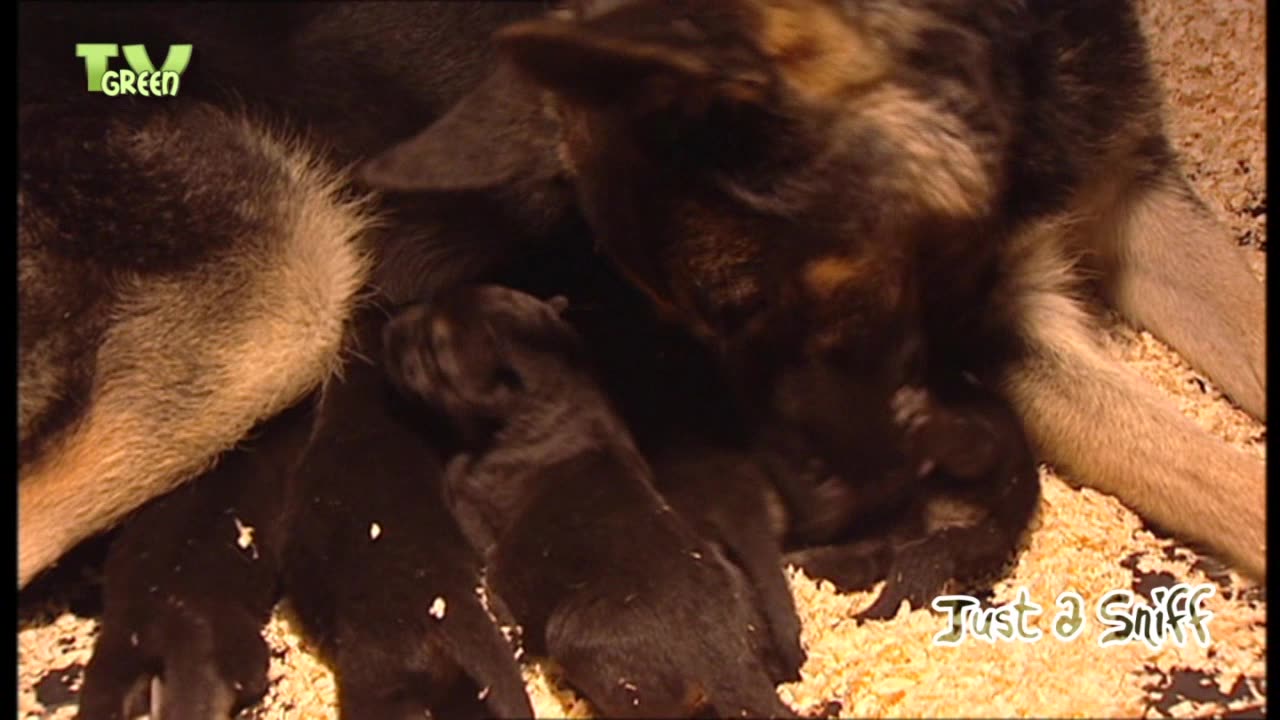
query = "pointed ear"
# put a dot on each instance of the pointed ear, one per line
(500, 134)
(649, 54)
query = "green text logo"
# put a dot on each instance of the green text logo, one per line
(141, 77)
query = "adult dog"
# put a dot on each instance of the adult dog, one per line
(1009, 130)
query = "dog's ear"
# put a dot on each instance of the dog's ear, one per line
(502, 134)
(646, 55)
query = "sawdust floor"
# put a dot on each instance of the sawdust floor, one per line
(1210, 56)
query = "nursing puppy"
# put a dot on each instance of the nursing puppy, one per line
(756, 165)
(951, 509)
(727, 496)
(593, 564)
(376, 569)
(337, 504)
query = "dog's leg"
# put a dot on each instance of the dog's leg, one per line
(1105, 427)
(226, 302)
(1173, 269)
(66, 497)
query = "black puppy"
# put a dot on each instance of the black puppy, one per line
(189, 583)
(593, 563)
(728, 497)
(377, 569)
(667, 387)
(958, 488)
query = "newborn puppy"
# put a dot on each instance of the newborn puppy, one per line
(959, 489)
(190, 582)
(377, 570)
(593, 563)
(727, 496)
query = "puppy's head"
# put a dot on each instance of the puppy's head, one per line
(481, 353)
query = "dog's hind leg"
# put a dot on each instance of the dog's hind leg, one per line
(189, 584)
(1170, 267)
(227, 291)
(1105, 427)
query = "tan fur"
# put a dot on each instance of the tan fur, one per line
(825, 277)
(933, 162)
(821, 55)
(191, 362)
(1178, 275)
(943, 513)
(1093, 418)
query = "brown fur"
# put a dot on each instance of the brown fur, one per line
(1010, 157)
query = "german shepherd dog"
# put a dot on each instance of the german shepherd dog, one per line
(792, 177)
(783, 176)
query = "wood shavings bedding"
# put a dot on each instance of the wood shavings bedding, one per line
(1210, 58)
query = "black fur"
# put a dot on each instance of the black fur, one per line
(594, 565)
(189, 583)
(372, 550)
(954, 509)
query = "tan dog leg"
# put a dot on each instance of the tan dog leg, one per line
(1101, 424)
(1175, 271)
(91, 480)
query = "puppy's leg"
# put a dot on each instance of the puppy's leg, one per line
(973, 534)
(1174, 270)
(852, 567)
(1103, 426)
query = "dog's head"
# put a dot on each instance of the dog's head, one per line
(756, 165)
(480, 353)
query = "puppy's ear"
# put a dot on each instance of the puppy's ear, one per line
(559, 304)
(501, 134)
(647, 55)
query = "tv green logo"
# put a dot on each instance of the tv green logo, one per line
(141, 77)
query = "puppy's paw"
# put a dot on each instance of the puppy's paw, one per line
(919, 573)
(854, 567)
(177, 661)
(910, 406)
